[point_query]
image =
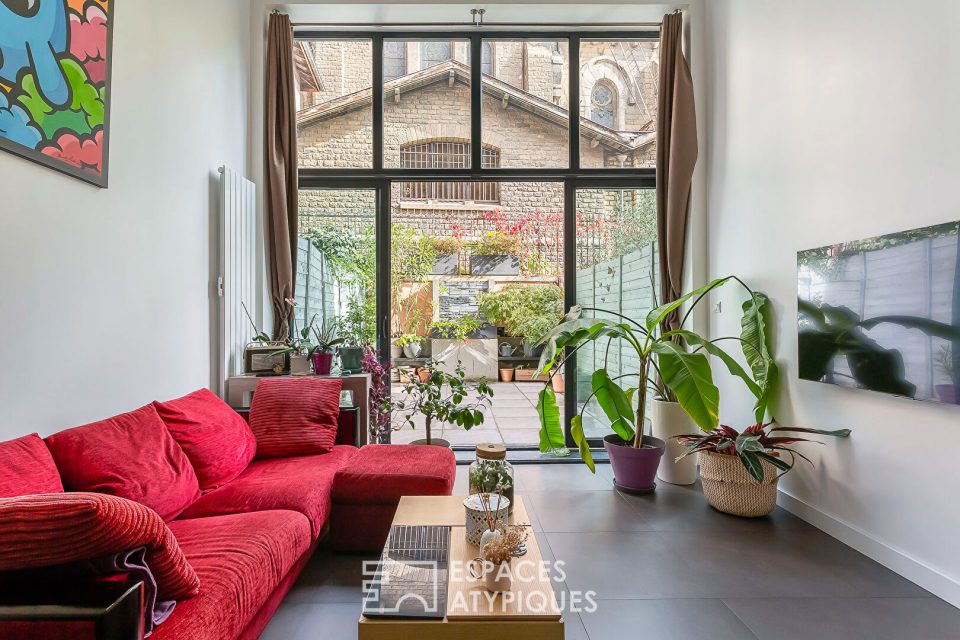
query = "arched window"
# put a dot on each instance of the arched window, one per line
(603, 104)
(433, 52)
(486, 58)
(394, 59)
(447, 154)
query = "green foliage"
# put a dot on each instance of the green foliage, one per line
(444, 397)
(497, 243)
(355, 327)
(551, 435)
(326, 337)
(407, 338)
(411, 256)
(447, 245)
(460, 329)
(685, 375)
(755, 444)
(527, 311)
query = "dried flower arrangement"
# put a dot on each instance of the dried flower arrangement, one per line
(504, 547)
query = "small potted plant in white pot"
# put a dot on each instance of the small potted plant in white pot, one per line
(445, 398)
(411, 343)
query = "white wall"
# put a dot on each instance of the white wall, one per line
(105, 295)
(827, 122)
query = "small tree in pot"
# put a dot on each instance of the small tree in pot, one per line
(666, 365)
(443, 397)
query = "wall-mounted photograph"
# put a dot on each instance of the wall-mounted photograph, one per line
(55, 84)
(884, 313)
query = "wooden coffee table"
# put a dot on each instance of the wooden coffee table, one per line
(512, 617)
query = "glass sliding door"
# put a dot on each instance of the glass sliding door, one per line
(617, 273)
(459, 190)
(337, 260)
(476, 280)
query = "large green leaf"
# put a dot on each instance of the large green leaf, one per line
(929, 327)
(551, 433)
(732, 365)
(572, 333)
(656, 316)
(755, 342)
(576, 431)
(752, 463)
(689, 376)
(615, 404)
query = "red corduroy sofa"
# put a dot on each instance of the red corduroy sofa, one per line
(246, 525)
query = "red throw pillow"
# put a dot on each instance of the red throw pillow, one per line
(217, 441)
(132, 456)
(26, 466)
(47, 530)
(295, 416)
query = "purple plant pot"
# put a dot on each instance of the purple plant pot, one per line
(634, 470)
(322, 363)
(948, 393)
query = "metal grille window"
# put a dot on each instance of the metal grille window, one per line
(448, 155)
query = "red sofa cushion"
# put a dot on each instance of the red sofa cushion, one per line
(295, 416)
(46, 530)
(301, 484)
(217, 441)
(26, 466)
(240, 559)
(383, 473)
(132, 456)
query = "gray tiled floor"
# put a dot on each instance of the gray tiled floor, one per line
(668, 566)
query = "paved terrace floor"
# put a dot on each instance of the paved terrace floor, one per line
(512, 419)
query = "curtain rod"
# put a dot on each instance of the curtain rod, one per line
(434, 25)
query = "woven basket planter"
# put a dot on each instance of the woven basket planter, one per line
(730, 488)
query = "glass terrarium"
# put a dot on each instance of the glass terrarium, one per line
(491, 473)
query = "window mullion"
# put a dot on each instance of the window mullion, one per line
(377, 100)
(573, 91)
(476, 101)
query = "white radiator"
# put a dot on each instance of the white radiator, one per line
(236, 282)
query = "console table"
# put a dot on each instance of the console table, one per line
(240, 391)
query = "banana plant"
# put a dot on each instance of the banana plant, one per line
(673, 363)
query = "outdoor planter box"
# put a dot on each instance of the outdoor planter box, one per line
(487, 331)
(446, 264)
(494, 265)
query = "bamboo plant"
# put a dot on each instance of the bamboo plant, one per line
(672, 363)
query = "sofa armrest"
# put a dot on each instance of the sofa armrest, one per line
(47, 530)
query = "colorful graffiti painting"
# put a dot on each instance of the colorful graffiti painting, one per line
(54, 83)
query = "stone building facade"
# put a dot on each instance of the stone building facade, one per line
(427, 124)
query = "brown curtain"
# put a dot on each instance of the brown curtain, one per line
(676, 158)
(281, 171)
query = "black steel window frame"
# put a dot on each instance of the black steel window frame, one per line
(573, 177)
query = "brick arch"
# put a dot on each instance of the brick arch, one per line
(606, 69)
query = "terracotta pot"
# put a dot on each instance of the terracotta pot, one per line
(634, 470)
(423, 375)
(506, 375)
(730, 488)
(668, 419)
(558, 383)
(434, 442)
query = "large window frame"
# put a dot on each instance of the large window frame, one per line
(573, 176)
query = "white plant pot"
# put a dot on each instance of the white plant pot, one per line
(299, 365)
(668, 419)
